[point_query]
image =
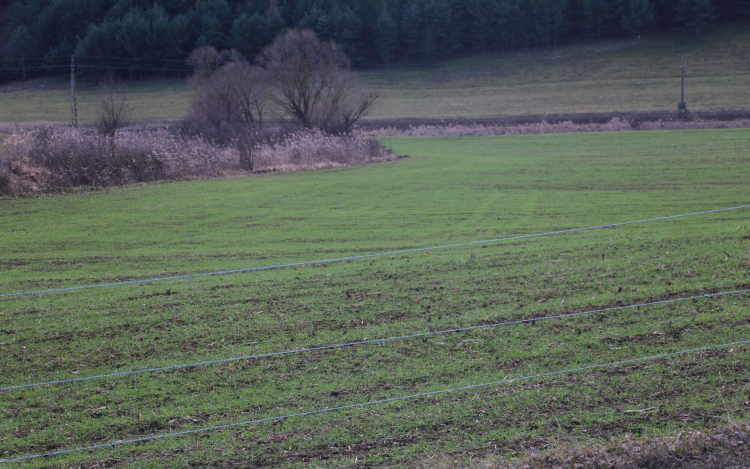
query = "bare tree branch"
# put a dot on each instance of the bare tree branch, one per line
(114, 105)
(313, 85)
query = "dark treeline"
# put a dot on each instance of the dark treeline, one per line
(159, 34)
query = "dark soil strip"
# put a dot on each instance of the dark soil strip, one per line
(588, 118)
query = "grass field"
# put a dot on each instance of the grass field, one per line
(449, 190)
(604, 77)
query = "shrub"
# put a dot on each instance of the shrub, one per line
(45, 159)
(92, 159)
(5, 179)
(114, 106)
(315, 149)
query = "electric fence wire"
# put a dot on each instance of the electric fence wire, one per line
(364, 256)
(371, 341)
(371, 403)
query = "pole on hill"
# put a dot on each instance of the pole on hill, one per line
(23, 65)
(73, 107)
(682, 111)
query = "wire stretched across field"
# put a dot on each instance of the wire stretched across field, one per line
(371, 403)
(365, 256)
(370, 342)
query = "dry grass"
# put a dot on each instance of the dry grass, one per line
(46, 159)
(543, 127)
(722, 448)
(312, 150)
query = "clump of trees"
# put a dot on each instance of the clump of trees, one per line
(308, 81)
(156, 36)
(305, 82)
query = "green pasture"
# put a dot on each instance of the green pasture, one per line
(611, 76)
(449, 190)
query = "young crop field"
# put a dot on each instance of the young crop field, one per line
(612, 76)
(449, 190)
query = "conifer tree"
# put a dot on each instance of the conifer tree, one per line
(638, 18)
(386, 35)
(695, 14)
(411, 27)
(482, 14)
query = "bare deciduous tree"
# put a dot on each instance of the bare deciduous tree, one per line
(206, 60)
(114, 105)
(312, 82)
(235, 94)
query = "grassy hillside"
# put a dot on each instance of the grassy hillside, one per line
(610, 76)
(450, 190)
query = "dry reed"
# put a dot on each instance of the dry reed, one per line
(47, 159)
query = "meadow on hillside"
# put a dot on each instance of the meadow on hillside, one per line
(611, 76)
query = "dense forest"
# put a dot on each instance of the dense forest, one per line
(38, 36)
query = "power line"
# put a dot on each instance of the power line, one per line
(363, 256)
(371, 403)
(370, 342)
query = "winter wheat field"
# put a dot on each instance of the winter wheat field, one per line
(449, 190)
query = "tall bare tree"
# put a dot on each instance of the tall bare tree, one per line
(114, 105)
(313, 85)
(235, 94)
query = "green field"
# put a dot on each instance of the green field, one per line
(449, 190)
(611, 76)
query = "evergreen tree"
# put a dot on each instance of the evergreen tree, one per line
(695, 14)
(504, 24)
(99, 41)
(133, 38)
(638, 18)
(250, 34)
(346, 29)
(666, 10)
(411, 28)
(386, 35)
(319, 21)
(482, 15)
(602, 17)
(213, 20)
(550, 20)
(439, 19)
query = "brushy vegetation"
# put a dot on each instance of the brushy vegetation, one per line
(543, 127)
(311, 150)
(451, 190)
(45, 160)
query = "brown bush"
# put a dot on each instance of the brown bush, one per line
(91, 159)
(315, 149)
(45, 159)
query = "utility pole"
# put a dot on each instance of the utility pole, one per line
(682, 111)
(23, 65)
(73, 108)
